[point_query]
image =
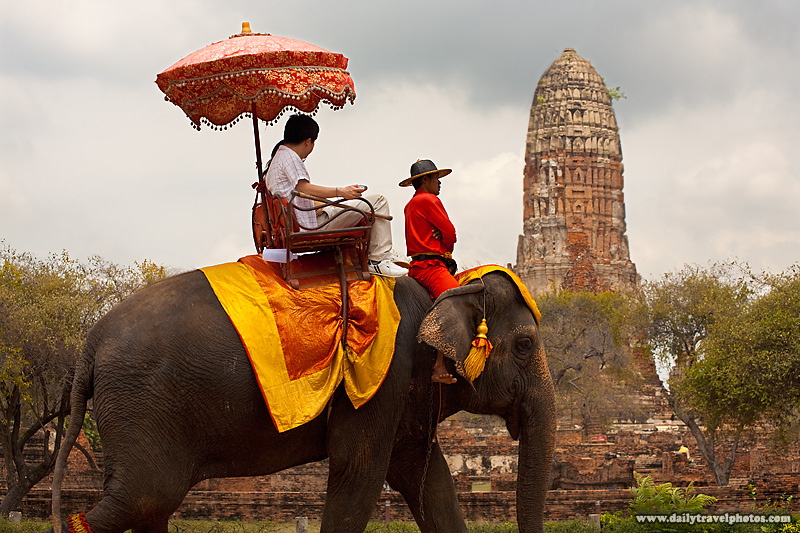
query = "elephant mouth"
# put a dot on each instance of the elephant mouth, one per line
(513, 417)
(516, 411)
(513, 425)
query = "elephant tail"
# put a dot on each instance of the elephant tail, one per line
(82, 390)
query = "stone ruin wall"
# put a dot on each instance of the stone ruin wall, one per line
(587, 469)
(573, 203)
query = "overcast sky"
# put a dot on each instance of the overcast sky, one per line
(95, 162)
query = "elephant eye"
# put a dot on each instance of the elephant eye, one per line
(524, 346)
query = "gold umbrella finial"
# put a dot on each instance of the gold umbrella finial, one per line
(246, 27)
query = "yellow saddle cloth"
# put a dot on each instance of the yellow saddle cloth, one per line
(466, 276)
(293, 337)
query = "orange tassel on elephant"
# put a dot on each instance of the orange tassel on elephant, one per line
(481, 347)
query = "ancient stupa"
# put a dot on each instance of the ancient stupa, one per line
(574, 209)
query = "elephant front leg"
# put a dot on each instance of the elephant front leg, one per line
(420, 473)
(359, 446)
(353, 492)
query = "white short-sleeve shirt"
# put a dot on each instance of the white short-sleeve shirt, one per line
(285, 170)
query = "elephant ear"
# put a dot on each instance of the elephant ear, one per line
(451, 323)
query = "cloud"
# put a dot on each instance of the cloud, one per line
(93, 160)
(401, 122)
(712, 184)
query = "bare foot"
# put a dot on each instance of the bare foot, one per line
(440, 374)
(445, 378)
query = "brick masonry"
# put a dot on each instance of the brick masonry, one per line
(589, 474)
(573, 202)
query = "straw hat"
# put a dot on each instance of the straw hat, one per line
(424, 167)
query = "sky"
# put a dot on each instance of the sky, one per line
(94, 161)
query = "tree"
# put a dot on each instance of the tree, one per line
(748, 372)
(731, 340)
(46, 310)
(590, 360)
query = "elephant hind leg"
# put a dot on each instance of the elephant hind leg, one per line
(142, 514)
(155, 526)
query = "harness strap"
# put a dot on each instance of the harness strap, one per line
(423, 257)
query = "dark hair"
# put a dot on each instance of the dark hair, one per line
(417, 183)
(299, 128)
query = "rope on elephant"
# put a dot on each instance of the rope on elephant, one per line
(431, 440)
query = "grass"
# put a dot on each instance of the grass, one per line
(242, 526)
(566, 526)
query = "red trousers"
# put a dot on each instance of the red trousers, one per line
(433, 275)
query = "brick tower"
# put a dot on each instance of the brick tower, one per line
(574, 210)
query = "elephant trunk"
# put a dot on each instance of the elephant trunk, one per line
(536, 447)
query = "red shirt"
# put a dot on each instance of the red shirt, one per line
(423, 213)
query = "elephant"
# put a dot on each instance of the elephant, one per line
(176, 402)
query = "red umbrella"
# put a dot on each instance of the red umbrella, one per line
(255, 74)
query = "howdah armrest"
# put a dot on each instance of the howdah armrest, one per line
(367, 213)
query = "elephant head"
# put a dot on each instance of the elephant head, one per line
(515, 383)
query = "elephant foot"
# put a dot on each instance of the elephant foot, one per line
(440, 373)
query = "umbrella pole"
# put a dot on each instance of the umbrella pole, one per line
(261, 181)
(262, 185)
(258, 146)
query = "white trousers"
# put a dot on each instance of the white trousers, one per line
(380, 240)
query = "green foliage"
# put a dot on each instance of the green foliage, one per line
(46, 310)
(92, 435)
(248, 526)
(649, 498)
(588, 352)
(682, 308)
(615, 93)
(776, 506)
(697, 325)
(392, 527)
(668, 501)
(227, 526)
(617, 523)
(732, 341)
(749, 366)
(488, 527)
(26, 526)
(571, 526)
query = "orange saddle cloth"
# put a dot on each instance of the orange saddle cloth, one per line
(293, 337)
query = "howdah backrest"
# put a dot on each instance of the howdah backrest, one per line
(262, 231)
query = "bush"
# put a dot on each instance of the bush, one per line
(649, 498)
(616, 523)
(664, 499)
(27, 526)
(571, 526)
(213, 526)
(392, 527)
(488, 527)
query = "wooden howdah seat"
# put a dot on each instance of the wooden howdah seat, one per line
(275, 226)
(325, 254)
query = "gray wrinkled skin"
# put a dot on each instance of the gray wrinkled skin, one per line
(176, 402)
